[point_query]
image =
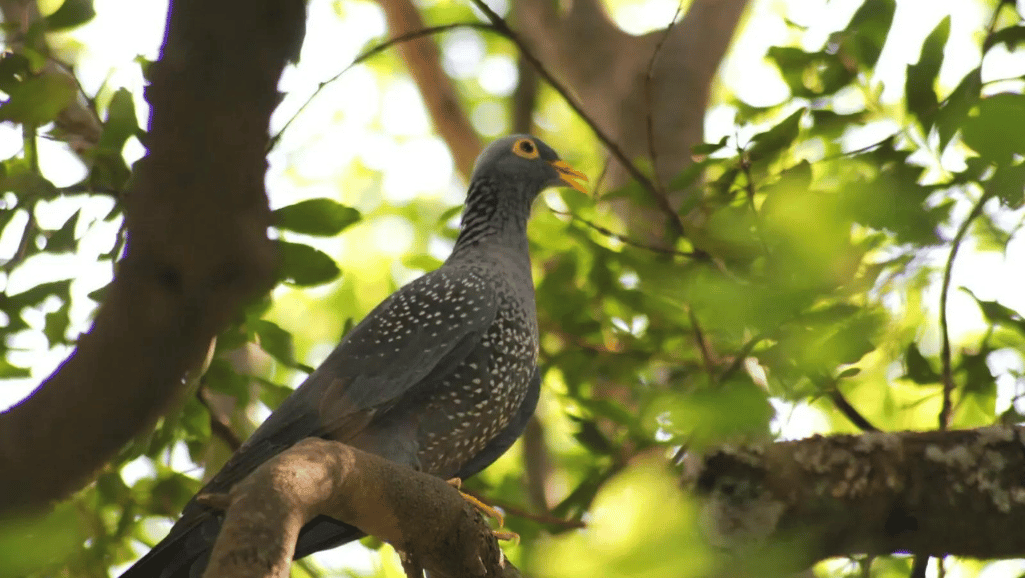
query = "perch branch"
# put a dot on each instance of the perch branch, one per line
(931, 493)
(424, 517)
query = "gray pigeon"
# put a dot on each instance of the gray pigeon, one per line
(441, 376)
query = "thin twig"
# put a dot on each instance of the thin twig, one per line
(628, 241)
(745, 166)
(219, 425)
(27, 234)
(503, 28)
(28, 134)
(991, 29)
(947, 375)
(850, 412)
(703, 346)
(374, 52)
(519, 512)
(738, 359)
(648, 81)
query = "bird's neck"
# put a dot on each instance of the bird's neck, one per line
(493, 218)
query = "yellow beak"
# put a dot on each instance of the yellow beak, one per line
(571, 176)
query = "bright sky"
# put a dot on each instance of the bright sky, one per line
(379, 122)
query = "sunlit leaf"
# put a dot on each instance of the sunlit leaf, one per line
(38, 100)
(919, 91)
(865, 35)
(996, 130)
(320, 217)
(958, 104)
(303, 265)
(918, 366)
(72, 13)
(776, 138)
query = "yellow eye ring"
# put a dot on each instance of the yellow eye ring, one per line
(525, 148)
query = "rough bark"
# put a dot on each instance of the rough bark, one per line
(932, 493)
(197, 218)
(425, 518)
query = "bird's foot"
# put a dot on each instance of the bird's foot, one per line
(484, 508)
(506, 536)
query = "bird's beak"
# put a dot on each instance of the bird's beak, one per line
(571, 176)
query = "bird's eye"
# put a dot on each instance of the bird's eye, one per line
(525, 148)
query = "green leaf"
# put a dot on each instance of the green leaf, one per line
(320, 217)
(709, 416)
(56, 326)
(776, 138)
(919, 90)
(303, 265)
(72, 13)
(222, 377)
(14, 68)
(272, 394)
(849, 372)
(1011, 37)
(277, 342)
(708, 148)
(39, 99)
(951, 116)
(978, 377)
(919, 370)
(30, 544)
(422, 262)
(9, 371)
(63, 240)
(996, 130)
(449, 213)
(865, 35)
(997, 313)
(121, 124)
(36, 295)
(688, 176)
(1008, 183)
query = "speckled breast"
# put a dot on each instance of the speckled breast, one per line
(468, 407)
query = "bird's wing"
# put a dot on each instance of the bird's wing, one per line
(425, 329)
(427, 326)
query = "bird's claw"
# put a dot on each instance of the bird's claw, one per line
(484, 508)
(507, 536)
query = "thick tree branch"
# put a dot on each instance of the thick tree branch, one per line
(437, 89)
(425, 518)
(197, 218)
(931, 493)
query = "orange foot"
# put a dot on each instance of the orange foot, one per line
(487, 511)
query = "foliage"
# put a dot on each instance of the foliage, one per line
(812, 267)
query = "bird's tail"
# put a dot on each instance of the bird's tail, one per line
(185, 554)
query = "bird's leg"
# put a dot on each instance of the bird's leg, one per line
(486, 510)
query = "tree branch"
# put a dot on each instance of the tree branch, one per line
(424, 517)
(197, 218)
(947, 373)
(438, 91)
(932, 493)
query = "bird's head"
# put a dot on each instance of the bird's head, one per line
(527, 159)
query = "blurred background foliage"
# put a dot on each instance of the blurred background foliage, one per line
(849, 258)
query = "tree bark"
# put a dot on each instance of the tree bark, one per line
(933, 493)
(197, 218)
(424, 517)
